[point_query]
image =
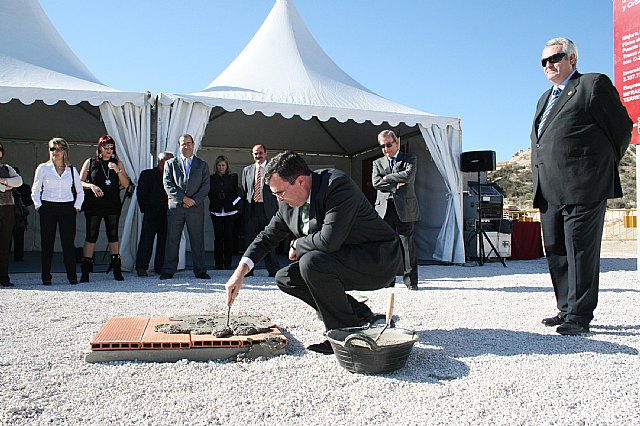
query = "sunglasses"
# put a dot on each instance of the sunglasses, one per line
(386, 145)
(109, 147)
(53, 149)
(553, 58)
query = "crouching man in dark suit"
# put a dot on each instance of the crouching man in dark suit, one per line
(341, 243)
(580, 132)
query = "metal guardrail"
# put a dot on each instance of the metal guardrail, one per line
(619, 224)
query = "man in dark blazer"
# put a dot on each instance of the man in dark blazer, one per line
(260, 206)
(393, 176)
(186, 182)
(340, 243)
(153, 203)
(580, 132)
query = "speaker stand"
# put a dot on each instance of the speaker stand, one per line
(481, 235)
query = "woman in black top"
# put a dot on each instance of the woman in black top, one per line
(102, 178)
(223, 206)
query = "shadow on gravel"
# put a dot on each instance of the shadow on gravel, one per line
(437, 356)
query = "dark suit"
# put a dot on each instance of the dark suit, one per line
(575, 161)
(152, 200)
(178, 185)
(348, 247)
(397, 204)
(223, 197)
(258, 215)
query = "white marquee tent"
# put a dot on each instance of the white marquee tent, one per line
(46, 91)
(284, 91)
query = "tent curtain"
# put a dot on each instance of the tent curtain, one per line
(130, 126)
(174, 120)
(444, 145)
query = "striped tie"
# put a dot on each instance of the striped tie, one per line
(257, 185)
(304, 219)
(552, 100)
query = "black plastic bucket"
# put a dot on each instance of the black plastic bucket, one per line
(358, 352)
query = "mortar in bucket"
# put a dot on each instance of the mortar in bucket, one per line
(372, 349)
(357, 350)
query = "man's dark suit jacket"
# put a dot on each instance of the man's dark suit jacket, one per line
(177, 186)
(404, 196)
(339, 216)
(150, 191)
(576, 155)
(269, 201)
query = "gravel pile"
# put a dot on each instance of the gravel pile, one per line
(483, 356)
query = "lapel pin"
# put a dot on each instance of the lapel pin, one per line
(570, 93)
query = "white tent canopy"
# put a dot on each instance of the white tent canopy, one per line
(46, 91)
(284, 91)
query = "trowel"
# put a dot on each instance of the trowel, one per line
(389, 316)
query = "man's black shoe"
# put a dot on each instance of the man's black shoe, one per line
(7, 284)
(203, 276)
(46, 282)
(572, 328)
(321, 348)
(272, 274)
(142, 272)
(412, 287)
(166, 276)
(73, 282)
(553, 321)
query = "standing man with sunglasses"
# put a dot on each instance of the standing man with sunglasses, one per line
(580, 132)
(393, 177)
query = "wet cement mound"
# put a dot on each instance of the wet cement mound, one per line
(239, 325)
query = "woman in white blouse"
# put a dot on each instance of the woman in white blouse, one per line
(57, 196)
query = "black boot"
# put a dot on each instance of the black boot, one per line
(87, 268)
(116, 264)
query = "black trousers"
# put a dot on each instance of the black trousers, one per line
(255, 221)
(572, 240)
(18, 243)
(321, 279)
(7, 218)
(405, 233)
(62, 216)
(223, 228)
(154, 226)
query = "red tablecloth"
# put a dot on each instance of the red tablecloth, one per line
(526, 241)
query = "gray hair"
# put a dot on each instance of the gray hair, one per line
(568, 47)
(383, 134)
(163, 156)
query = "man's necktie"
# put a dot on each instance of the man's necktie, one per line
(392, 162)
(304, 219)
(257, 185)
(187, 166)
(552, 100)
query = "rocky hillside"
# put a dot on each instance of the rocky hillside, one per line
(514, 178)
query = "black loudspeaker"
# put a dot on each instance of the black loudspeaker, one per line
(478, 161)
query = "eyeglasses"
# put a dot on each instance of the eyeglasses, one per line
(281, 194)
(386, 145)
(109, 147)
(553, 58)
(59, 148)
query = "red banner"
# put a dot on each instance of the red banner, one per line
(626, 53)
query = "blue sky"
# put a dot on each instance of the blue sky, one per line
(478, 60)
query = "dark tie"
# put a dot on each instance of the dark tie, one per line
(392, 162)
(304, 219)
(552, 100)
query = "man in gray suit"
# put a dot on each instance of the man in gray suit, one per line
(186, 181)
(580, 132)
(340, 243)
(393, 177)
(260, 205)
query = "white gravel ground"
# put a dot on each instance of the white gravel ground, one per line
(483, 356)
